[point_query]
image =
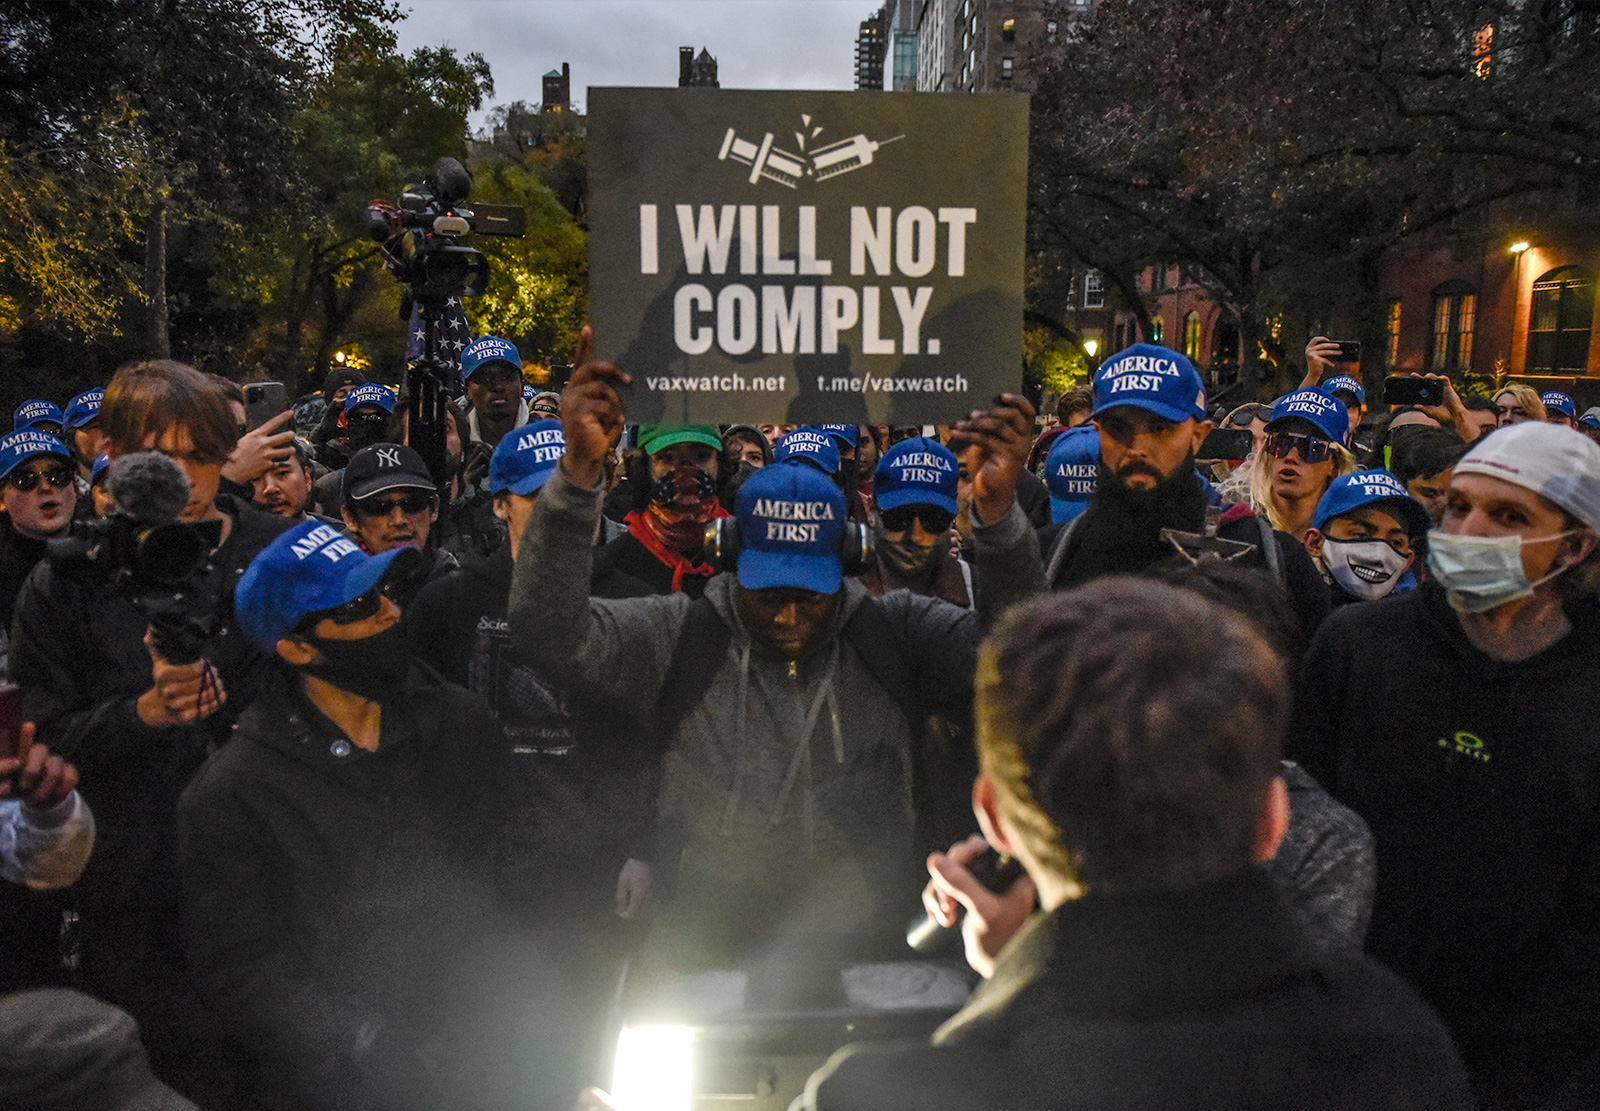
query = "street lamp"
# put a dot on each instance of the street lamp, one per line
(1517, 250)
(1091, 346)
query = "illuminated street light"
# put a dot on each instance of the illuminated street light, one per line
(1091, 346)
(1519, 246)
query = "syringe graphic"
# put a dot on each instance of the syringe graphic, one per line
(844, 156)
(765, 161)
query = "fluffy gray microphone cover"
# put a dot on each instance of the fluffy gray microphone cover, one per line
(149, 487)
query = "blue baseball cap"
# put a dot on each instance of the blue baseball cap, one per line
(83, 408)
(1149, 376)
(525, 457)
(1346, 383)
(19, 446)
(1071, 470)
(846, 434)
(1325, 413)
(489, 349)
(918, 471)
(528, 391)
(809, 445)
(31, 414)
(370, 393)
(102, 464)
(1590, 418)
(1376, 488)
(311, 567)
(1558, 402)
(791, 520)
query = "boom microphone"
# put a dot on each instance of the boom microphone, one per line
(149, 487)
(450, 181)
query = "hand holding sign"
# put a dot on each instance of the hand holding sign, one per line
(591, 413)
(999, 440)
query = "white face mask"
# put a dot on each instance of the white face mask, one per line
(1479, 573)
(1368, 569)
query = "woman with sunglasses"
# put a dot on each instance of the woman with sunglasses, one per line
(915, 491)
(37, 500)
(1305, 449)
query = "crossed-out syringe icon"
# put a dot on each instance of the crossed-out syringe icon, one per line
(768, 161)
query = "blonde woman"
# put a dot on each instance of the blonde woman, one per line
(1305, 450)
(1517, 403)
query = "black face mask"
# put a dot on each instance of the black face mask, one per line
(364, 430)
(373, 668)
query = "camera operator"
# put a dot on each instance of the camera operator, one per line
(1129, 735)
(138, 725)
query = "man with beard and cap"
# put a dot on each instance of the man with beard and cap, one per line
(1365, 537)
(492, 369)
(666, 532)
(785, 700)
(1150, 412)
(916, 495)
(357, 867)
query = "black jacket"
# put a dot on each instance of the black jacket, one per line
(1203, 998)
(590, 778)
(354, 917)
(78, 653)
(1481, 783)
(18, 555)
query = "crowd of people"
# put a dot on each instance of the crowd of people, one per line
(371, 801)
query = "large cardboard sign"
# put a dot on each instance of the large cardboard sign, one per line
(807, 257)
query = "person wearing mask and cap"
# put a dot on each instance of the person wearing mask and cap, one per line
(356, 865)
(672, 505)
(41, 416)
(1071, 470)
(1306, 448)
(915, 488)
(492, 370)
(1366, 535)
(362, 420)
(1559, 408)
(82, 419)
(1150, 418)
(787, 782)
(336, 386)
(1416, 713)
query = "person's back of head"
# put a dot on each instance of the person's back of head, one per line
(1132, 732)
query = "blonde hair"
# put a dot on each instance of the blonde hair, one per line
(1261, 481)
(1527, 397)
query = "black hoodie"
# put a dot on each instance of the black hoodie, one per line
(1480, 780)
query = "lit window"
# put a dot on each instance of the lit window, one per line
(1454, 305)
(1191, 336)
(1094, 296)
(1050, 29)
(1008, 30)
(1394, 332)
(1158, 329)
(1005, 69)
(1483, 51)
(1559, 321)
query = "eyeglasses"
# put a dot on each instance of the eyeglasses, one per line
(1311, 448)
(59, 477)
(414, 502)
(357, 609)
(934, 519)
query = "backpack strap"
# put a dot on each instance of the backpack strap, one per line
(1270, 550)
(1058, 552)
(868, 631)
(702, 643)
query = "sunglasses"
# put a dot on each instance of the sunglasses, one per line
(1311, 448)
(59, 477)
(414, 502)
(1241, 418)
(934, 519)
(357, 609)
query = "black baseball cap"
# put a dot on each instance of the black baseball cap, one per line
(380, 467)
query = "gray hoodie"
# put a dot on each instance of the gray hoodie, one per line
(786, 833)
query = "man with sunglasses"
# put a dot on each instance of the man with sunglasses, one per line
(390, 501)
(355, 863)
(1151, 417)
(785, 701)
(915, 488)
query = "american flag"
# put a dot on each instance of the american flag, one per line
(454, 335)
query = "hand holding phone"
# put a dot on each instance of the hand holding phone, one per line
(1412, 390)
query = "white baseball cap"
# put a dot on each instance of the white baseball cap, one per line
(1552, 460)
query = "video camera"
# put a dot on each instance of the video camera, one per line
(143, 553)
(422, 236)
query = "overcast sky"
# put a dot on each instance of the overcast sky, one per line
(758, 44)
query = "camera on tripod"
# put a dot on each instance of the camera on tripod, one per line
(422, 234)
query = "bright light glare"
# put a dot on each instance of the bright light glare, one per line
(652, 1069)
(1518, 247)
(1091, 346)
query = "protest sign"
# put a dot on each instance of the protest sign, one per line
(802, 257)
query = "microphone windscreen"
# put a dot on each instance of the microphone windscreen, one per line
(149, 487)
(450, 181)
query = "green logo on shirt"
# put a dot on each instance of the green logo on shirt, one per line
(1466, 744)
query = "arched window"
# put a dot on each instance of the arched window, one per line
(1559, 320)
(1455, 304)
(1158, 329)
(1191, 336)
